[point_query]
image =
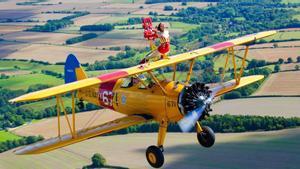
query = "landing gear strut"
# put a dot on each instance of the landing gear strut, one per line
(154, 154)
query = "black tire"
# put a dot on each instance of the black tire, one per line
(207, 137)
(155, 157)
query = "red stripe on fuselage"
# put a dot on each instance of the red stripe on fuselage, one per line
(221, 45)
(112, 76)
(106, 94)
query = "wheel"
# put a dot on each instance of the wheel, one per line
(155, 156)
(207, 137)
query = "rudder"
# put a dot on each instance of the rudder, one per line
(73, 70)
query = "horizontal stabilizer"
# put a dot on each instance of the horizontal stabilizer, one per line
(67, 139)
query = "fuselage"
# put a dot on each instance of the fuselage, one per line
(134, 99)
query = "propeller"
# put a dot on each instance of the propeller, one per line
(195, 101)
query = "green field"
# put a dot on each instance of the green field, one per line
(24, 81)
(284, 36)
(183, 26)
(5, 135)
(26, 65)
(297, 17)
(219, 61)
(41, 105)
(290, 1)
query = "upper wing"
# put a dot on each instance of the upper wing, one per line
(140, 69)
(67, 139)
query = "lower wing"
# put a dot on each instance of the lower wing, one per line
(67, 139)
(232, 84)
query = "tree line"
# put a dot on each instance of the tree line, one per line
(224, 124)
(10, 144)
(81, 38)
(100, 27)
(53, 25)
(13, 115)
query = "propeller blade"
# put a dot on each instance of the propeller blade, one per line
(189, 121)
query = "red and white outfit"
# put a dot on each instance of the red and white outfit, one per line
(164, 46)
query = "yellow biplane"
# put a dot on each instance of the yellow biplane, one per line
(142, 96)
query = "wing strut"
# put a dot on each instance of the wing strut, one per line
(237, 76)
(60, 106)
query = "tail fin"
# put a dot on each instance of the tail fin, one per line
(73, 70)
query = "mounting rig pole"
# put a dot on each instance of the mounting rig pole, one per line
(157, 82)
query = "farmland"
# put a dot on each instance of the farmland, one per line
(48, 127)
(59, 53)
(283, 83)
(264, 106)
(284, 35)
(5, 135)
(273, 54)
(278, 96)
(181, 151)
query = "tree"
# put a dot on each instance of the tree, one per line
(98, 160)
(280, 61)
(276, 68)
(289, 60)
(298, 59)
(232, 95)
(168, 8)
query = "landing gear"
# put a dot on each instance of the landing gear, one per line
(155, 156)
(206, 137)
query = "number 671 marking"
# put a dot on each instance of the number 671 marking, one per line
(107, 97)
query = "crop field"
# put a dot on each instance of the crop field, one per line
(4, 29)
(24, 81)
(273, 54)
(290, 66)
(106, 43)
(283, 83)
(159, 8)
(181, 151)
(220, 60)
(15, 14)
(59, 53)
(5, 135)
(28, 66)
(290, 1)
(284, 36)
(8, 48)
(48, 127)
(38, 37)
(90, 19)
(272, 45)
(44, 17)
(42, 105)
(264, 106)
